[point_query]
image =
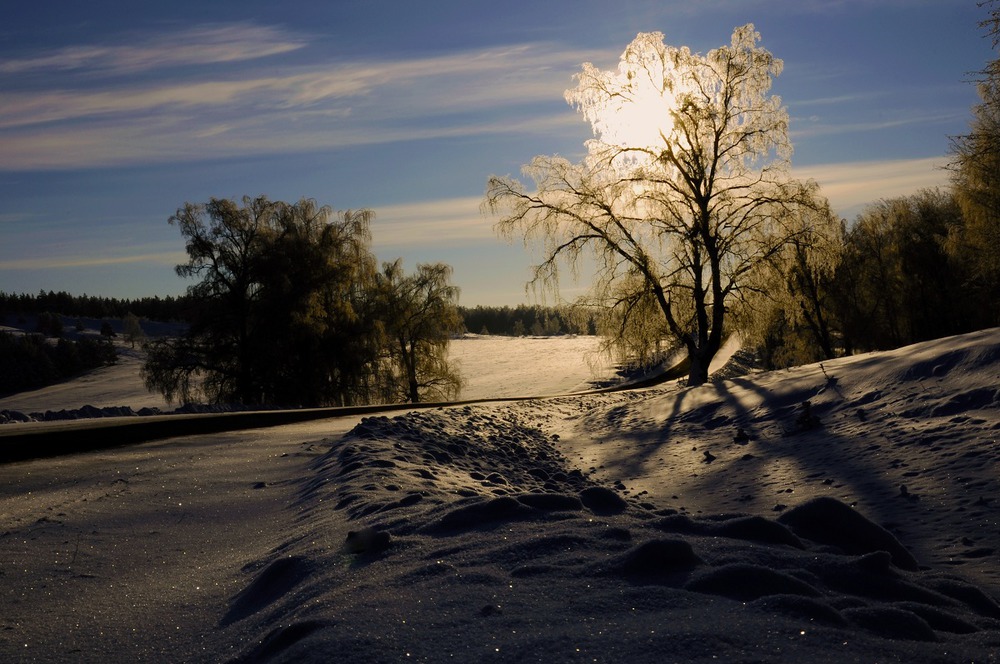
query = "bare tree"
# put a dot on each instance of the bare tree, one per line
(683, 192)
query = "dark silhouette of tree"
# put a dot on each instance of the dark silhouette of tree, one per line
(291, 310)
(315, 319)
(132, 329)
(896, 283)
(49, 324)
(419, 316)
(279, 313)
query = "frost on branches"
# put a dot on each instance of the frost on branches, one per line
(684, 191)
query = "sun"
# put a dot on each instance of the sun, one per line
(644, 117)
(640, 115)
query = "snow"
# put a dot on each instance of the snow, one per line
(492, 366)
(591, 527)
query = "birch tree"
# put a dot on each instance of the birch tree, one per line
(682, 192)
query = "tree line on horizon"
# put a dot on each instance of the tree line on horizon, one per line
(504, 320)
(528, 320)
(169, 308)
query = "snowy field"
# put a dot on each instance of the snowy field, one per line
(724, 523)
(491, 366)
(495, 366)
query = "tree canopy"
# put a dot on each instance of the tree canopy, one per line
(976, 180)
(419, 316)
(286, 311)
(684, 191)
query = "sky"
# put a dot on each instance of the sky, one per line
(115, 114)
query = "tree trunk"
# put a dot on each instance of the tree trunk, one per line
(698, 370)
(410, 359)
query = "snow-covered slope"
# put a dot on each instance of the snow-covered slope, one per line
(720, 523)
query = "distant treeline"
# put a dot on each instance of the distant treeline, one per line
(89, 306)
(524, 320)
(521, 320)
(30, 361)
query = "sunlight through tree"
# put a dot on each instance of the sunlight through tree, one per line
(684, 190)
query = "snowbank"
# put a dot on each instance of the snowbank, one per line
(728, 522)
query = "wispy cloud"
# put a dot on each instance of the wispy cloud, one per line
(444, 222)
(305, 106)
(816, 126)
(851, 186)
(26, 109)
(183, 138)
(848, 186)
(820, 7)
(199, 45)
(853, 98)
(457, 222)
(14, 218)
(62, 262)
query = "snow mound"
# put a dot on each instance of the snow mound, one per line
(487, 543)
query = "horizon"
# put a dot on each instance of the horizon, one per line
(112, 120)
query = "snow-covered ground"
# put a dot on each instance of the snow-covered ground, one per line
(494, 366)
(491, 366)
(727, 522)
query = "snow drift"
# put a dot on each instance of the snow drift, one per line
(830, 513)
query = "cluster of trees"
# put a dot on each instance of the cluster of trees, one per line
(976, 182)
(167, 308)
(535, 320)
(908, 269)
(900, 274)
(30, 361)
(685, 203)
(292, 309)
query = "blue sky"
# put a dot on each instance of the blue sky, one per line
(114, 114)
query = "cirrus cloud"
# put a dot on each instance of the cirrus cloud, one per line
(194, 46)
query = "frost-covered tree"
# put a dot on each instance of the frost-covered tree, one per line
(682, 193)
